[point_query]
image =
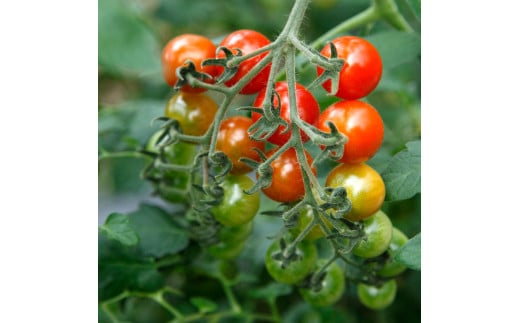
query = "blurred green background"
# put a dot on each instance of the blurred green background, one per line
(131, 34)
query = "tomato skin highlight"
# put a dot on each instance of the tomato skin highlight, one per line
(365, 188)
(233, 140)
(361, 123)
(194, 111)
(361, 71)
(247, 41)
(178, 50)
(377, 298)
(287, 181)
(307, 107)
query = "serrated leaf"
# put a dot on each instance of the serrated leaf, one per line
(204, 305)
(410, 254)
(123, 268)
(272, 290)
(159, 234)
(117, 227)
(402, 177)
(396, 47)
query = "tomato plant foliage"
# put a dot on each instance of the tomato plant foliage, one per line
(234, 185)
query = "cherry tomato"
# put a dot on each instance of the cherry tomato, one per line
(392, 268)
(378, 234)
(226, 250)
(296, 270)
(287, 183)
(231, 241)
(365, 188)
(234, 141)
(305, 217)
(307, 106)
(377, 298)
(175, 185)
(361, 71)
(237, 207)
(187, 47)
(331, 287)
(247, 41)
(194, 111)
(362, 125)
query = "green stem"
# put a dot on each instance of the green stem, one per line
(235, 306)
(122, 154)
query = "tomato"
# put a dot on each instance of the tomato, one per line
(362, 125)
(174, 185)
(226, 250)
(331, 287)
(304, 218)
(187, 47)
(296, 270)
(236, 207)
(287, 182)
(378, 234)
(307, 107)
(365, 188)
(194, 111)
(247, 41)
(361, 71)
(231, 241)
(392, 268)
(377, 298)
(234, 141)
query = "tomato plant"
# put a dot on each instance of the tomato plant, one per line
(329, 289)
(308, 110)
(193, 111)
(247, 41)
(391, 267)
(179, 50)
(304, 259)
(365, 188)
(234, 141)
(361, 71)
(287, 181)
(362, 125)
(378, 234)
(377, 297)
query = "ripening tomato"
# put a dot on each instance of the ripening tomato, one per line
(365, 188)
(236, 207)
(178, 50)
(287, 182)
(361, 71)
(247, 41)
(378, 234)
(330, 288)
(377, 297)
(362, 125)
(234, 141)
(307, 107)
(194, 111)
(296, 270)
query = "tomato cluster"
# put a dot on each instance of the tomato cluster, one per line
(294, 258)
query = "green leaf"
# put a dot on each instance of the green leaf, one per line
(123, 268)
(159, 234)
(117, 227)
(402, 177)
(396, 47)
(204, 305)
(410, 254)
(126, 44)
(272, 290)
(416, 7)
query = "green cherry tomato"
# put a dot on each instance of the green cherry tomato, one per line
(378, 233)
(304, 218)
(236, 233)
(226, 249)
(331, 287)
(392, 268)
(377, 298)
(237, 207)
(296, 270)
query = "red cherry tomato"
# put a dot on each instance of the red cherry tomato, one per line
(234, 141)
(287, 184)
(187, 47)
(307, 106)
(361, 71)
(361, 123)
(247, 41)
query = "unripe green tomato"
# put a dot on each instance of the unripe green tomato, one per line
(332, 287)
(226, 250)
(236, 207)
(393, 268)
(297, 269)
(377, 298)
(378, 231)
(236, 233)
(304, 218)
